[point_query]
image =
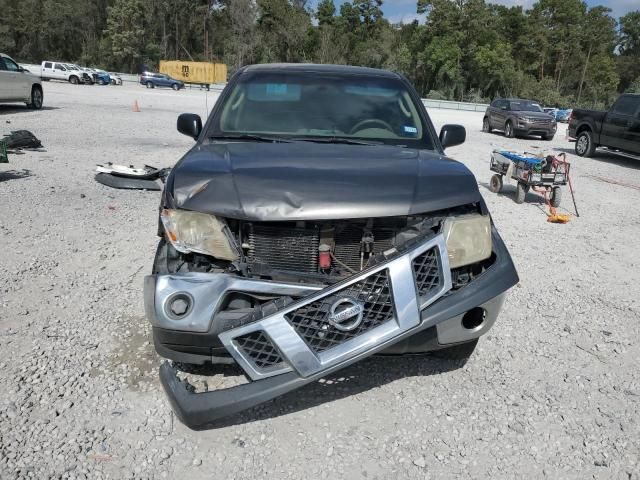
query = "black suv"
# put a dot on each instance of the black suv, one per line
(316, 221)
(515, 117)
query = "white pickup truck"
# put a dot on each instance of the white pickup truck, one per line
(18, 85)
(50, 70)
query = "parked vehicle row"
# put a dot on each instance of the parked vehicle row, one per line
(18, 85)
(72, 73)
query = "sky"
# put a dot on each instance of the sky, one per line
(405, 10)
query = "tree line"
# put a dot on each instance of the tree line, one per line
(559, 52)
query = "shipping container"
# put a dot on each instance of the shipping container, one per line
(199, 73)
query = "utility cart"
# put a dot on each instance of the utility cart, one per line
(544, 175)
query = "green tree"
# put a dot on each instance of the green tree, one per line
(126, 32)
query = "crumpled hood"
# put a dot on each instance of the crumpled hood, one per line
(311, 181)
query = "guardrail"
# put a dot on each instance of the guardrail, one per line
(448, 104)
(428, 102)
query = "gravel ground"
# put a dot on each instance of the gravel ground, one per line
(552, 391)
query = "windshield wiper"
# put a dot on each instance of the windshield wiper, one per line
(251, 138)
(341, 140)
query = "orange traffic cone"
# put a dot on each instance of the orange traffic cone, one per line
(136, 108)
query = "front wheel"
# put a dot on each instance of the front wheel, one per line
(508, 130)
(495, 184)
(36, 98)
(521, 192)
(150, 85)
(175, 87)
(584, 144)
(73, 80)
(486, 127)
(113, 82)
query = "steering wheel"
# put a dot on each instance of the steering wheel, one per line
(358, 126)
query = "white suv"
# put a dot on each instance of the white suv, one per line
(18, 85)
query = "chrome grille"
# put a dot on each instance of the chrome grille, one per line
(311, 321)
(259, 349)
(426, 271)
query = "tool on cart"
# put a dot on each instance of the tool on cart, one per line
(544, 174)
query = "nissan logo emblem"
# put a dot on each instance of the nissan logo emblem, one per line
(346, 314)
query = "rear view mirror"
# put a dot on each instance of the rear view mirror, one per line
(452, 135)
(190, 124)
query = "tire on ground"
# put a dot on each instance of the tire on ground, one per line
(508, 130)
(36, 98)
(556, 197)
(584, 144)
(495, 184)
(486, 126)
(521, 192)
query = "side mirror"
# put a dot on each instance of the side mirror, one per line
(190, 124)
(452, 135)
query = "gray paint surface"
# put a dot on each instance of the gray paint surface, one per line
(309, 181)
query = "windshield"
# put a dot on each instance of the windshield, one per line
(322, 107)
(525, 107)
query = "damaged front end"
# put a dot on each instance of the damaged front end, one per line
(291, 302)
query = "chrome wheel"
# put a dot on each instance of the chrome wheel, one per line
(582, 144)
(36, 98)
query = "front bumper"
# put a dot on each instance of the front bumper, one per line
(532, 129)
(292, 358)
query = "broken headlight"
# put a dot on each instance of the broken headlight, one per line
(198, 233)
(468, 239)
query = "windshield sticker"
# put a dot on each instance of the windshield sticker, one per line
(274, 92)
(408, 130)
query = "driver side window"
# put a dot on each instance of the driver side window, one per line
(11, 65)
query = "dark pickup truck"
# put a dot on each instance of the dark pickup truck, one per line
(315, 222)
(618, 129)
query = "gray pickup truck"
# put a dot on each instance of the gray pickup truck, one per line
(315, 222)
(617, 129)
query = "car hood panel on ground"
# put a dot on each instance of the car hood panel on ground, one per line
(308, 181)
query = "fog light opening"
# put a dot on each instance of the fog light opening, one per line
(179, 305)
(474, 318)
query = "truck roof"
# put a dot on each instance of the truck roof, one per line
(318, 68)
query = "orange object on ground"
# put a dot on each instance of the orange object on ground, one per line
(136, 107)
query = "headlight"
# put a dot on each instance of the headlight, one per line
(468, 239)
(198, 233)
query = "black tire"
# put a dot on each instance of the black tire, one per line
(461, 351)
(584, 144)
(102, 82)
(113, 82)
(486, 126)
(175, 87)
(521, 192)
(73, 80)
(555, 197)
(508, 130)
(150, 85)
(495, 184)
(547, 138)
(36, 98)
